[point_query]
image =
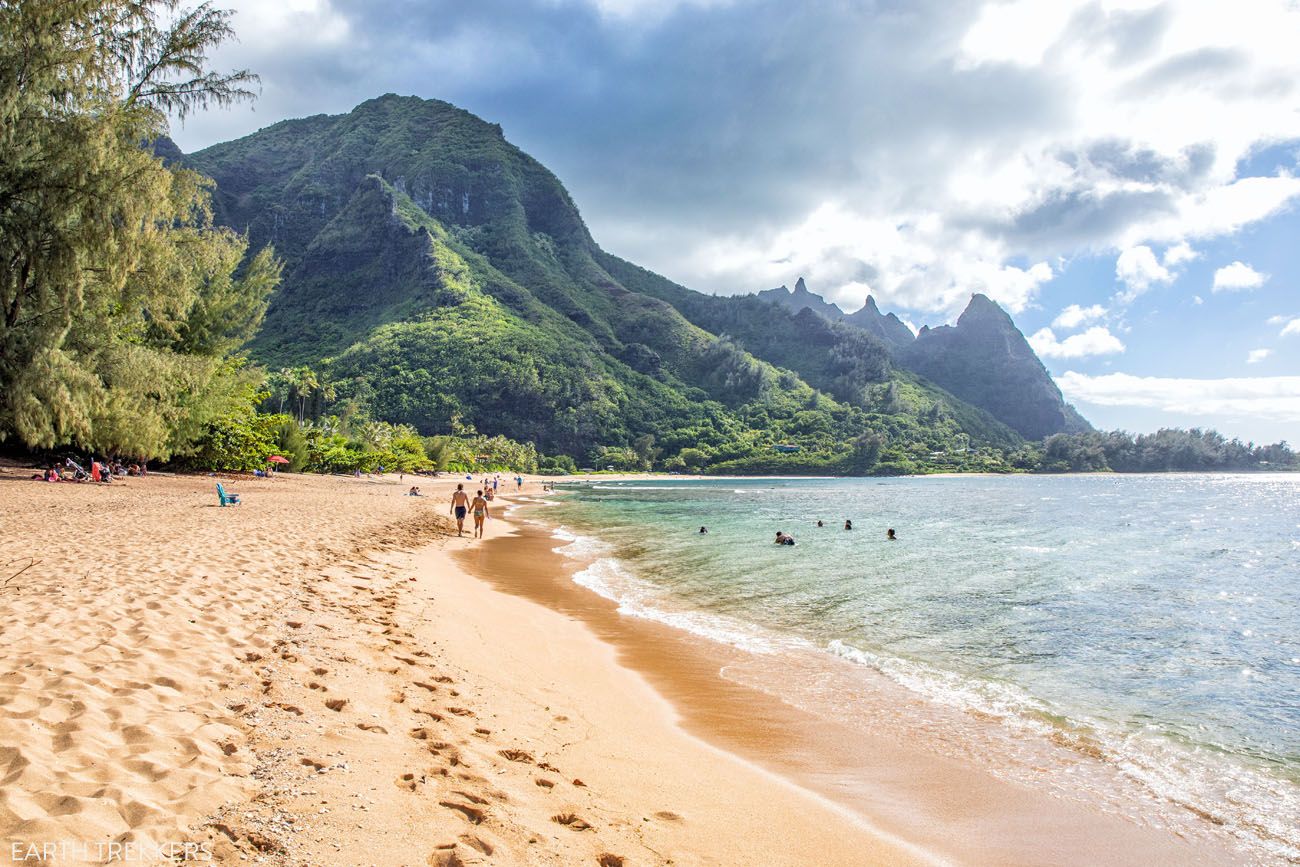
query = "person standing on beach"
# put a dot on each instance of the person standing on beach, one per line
(480, 507)
(459, 506)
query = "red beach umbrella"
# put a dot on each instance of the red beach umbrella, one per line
(276, 459)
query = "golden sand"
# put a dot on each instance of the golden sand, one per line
(290, 680)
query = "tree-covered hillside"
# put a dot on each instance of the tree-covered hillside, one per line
(436, 272)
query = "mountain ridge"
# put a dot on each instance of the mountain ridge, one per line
(415, 236)
(983, 359)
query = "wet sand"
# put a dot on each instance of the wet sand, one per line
(952, 809)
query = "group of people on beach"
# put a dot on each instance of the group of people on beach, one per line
(100, 471)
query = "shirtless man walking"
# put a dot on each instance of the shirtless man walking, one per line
(460, 507)
(480, 507)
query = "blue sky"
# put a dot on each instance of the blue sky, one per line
(1119, 174)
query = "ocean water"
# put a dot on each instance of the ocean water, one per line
(1145, 627)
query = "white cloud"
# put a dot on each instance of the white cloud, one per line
(1292, 327)
(1095, 341)
(1236, 277)
(1138, 269)
(1198, 300)
(1061, 127)
(1257, 355)
(1267, 397)
(1074, 316)
(914, 266)
(1178, 254)
(1279, 319)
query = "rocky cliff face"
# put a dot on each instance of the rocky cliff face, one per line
(985, 360)
(799, 298)
(887, 327)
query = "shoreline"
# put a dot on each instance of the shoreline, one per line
(309, 678)
(956, 810)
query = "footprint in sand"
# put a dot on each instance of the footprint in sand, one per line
(605, 859)
(336, 704)
(370, 727)
(544, 783)
(472, 813)
(477, 843)
(571, 821)
(516, 756)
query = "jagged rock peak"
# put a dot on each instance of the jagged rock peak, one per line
(984, 309)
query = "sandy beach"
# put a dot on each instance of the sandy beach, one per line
(309, 678)
(326, 675)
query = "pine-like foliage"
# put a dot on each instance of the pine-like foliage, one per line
(120, 306)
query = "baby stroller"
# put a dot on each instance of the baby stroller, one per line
(79, 473)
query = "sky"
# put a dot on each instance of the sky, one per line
(1123, 177)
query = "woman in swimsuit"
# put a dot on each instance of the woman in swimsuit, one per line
(480, 509)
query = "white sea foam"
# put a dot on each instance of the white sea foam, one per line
(1002, 700)
(619, 487)
(1249, 804)
(577, 546)
(611, 578)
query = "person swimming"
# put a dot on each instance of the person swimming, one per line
(783, 539)
(889, 534)
(848, 525)
(703, 530)
(821, 524)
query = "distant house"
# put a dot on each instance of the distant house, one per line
(785, 448)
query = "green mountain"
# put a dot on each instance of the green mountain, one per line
(984, 359)
(441, 276)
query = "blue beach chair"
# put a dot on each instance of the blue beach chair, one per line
(226, 499)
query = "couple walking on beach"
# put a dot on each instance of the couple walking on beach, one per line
(461, 504)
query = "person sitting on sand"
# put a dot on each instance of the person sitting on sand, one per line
(459, 507)
(480, 509)
(414, 492)
(489, 494)
(889, 534)
(848, 525)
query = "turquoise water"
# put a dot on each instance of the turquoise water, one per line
(1154, 618)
